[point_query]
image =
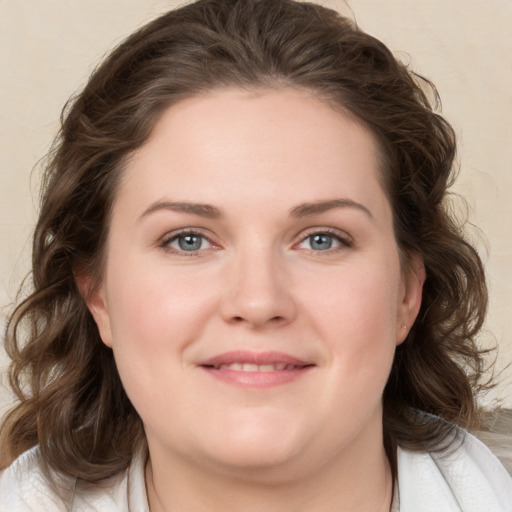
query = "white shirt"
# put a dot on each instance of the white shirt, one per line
(470, 479)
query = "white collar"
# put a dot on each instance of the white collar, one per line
(466, 479)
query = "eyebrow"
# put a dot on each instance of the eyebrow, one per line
(306, 209)
(202, 210)
(212, 212)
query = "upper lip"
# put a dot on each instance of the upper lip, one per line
(259, 358)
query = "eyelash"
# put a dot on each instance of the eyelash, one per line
(344, 240)
(167, 240)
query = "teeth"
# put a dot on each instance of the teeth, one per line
(250, 367)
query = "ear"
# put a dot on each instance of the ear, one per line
(411, 292)
(94, 296)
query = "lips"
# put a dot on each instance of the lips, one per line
(250, 367)
(256, 369)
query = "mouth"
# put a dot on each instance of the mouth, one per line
(250, 367)
(256, 369)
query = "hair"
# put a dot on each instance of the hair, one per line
(70, 398)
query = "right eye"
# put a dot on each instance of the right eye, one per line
(187, 242)
(321, 242)
(324, 241)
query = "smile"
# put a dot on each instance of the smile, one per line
(256, 370)
(250, 367)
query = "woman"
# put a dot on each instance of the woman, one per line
(248, 291)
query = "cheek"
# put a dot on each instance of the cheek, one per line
(362, 300)
(356, 315)
(153, 319)
(156, 307)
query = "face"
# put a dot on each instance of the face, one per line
(252, 283)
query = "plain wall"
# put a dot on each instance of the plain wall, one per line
(49, 47)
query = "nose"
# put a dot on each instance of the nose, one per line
(258, 292)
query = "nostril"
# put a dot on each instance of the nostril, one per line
(274, 320)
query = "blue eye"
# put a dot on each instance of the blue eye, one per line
(322, 242)
(188, 242)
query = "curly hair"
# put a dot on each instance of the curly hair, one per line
(71, 400)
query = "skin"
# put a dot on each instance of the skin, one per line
(257, 283)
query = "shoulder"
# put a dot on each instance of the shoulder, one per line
(467, 478)
(497, 434)
(24, 488)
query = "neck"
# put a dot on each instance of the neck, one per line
(362, 483)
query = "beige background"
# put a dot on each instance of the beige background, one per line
(48, 48)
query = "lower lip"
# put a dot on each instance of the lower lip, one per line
(257, 380)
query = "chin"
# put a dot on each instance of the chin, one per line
(260, 466)
(253, 449)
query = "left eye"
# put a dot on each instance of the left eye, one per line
(189, 242)
(321, 242)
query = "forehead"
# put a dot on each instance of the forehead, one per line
(283, 143)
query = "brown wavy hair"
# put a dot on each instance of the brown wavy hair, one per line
(71, 400)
